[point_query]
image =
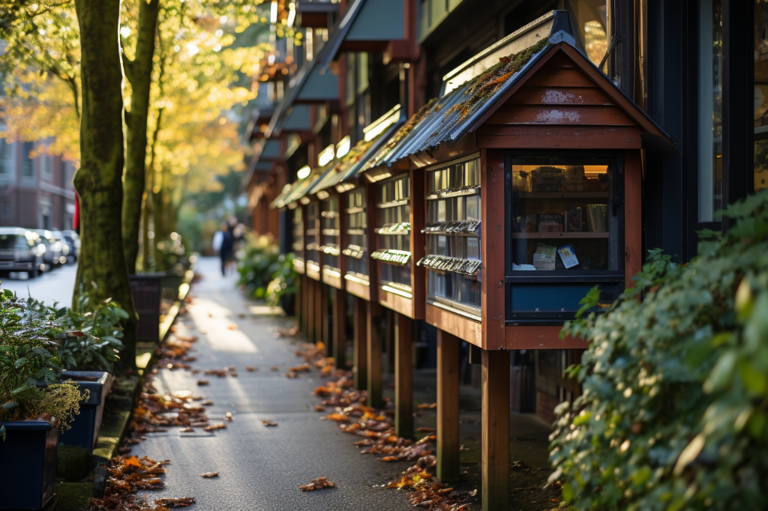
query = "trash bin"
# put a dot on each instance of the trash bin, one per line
(147, 291)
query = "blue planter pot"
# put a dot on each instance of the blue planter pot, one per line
(27, 464)
(85, 426)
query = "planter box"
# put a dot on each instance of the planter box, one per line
(28, 464)
(85, 428)
(147, 289)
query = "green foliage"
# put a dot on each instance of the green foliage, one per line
(285, 280)
(675, 383)
(266, 274)
(30, 364)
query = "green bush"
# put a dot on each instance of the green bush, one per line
(265, 273)
(675, 383)
(29, 358)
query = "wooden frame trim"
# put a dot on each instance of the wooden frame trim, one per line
(459, 326)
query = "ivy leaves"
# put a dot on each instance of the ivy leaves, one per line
(673, 413)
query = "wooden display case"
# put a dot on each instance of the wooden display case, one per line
(399, 202)
(356, 239)
(330, 235)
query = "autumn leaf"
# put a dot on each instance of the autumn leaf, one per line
(318, 484)
(201, 383)
(214, 427)
(268, 423)
(209, 475)
(251, 369)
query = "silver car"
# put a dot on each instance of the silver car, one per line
(21, 250)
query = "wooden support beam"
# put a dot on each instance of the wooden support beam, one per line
(375, 359)
(390, 339)
(360, 326)
(310, 303)
(340, 328)
(495, 429)
(325, 333)
(447, 406)
(403, 376)
(299, 311)
(318, 304)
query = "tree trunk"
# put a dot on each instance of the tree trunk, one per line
(101, 270)
(139, 74)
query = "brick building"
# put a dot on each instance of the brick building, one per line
(36, 193)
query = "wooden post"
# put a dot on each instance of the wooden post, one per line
(375, 383)
(403, 376)
(299, 313)
(495, 429)
(325, 334)
(447, 406)
(318, 303)
(340, 328)
(360, 325)
(391, 340)
(309, 302)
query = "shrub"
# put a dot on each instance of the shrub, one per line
(675, 383)
(260, 262)
(30, 367)
(285, 280)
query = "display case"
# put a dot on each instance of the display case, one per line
(395, 245)
(297, 229)
(356, 254)
(565, 236)
(452, 233)
(312, 240)
(330, 236)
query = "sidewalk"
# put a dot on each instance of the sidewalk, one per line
(261, 468)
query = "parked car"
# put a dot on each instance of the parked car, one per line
(73, 239)
(54, 252)
(66, 250)
(21, 250)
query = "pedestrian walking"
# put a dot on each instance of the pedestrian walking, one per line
(223, 242)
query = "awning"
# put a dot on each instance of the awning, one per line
(367, 25)
(308, 86)
(376, 135)
(279, 201)
(297, 119)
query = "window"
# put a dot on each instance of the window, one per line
(46, 164)
(591, 20)
(27, 164)
(761, 96)
(710, 109)
(6, 158)
(356, 234)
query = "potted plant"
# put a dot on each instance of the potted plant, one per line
(31, 416)
(91, 340)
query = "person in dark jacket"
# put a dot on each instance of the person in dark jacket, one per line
(224, 241)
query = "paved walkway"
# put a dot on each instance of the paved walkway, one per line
(52, 286)
(260, 468)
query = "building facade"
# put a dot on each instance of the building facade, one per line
(35, 193)
(695, 67)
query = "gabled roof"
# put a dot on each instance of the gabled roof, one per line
(465, 109)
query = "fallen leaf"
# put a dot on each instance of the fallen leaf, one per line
(214, 427)
(174, 503)
(200, 383)
(338, 417)
(251, 369)
(207, 402)
(425, 406)
(291, 374)
(390, 458)
(425, 430)
(318, 484)
(275, 368)
(187, 430)
(319, 408)
(208, 475)
(268, 423)
(232, 327)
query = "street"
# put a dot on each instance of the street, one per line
(51, 286)
(261, 468)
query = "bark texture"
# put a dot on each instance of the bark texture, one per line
(139, 74)
(101, 269)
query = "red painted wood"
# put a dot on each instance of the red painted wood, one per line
(529, 95)
(559, 137)
(493, 270)
(568, 115)
(633, 222)
(539, 338)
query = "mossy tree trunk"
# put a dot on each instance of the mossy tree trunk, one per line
(101, 269)
(139, 74)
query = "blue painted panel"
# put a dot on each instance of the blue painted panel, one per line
(553, 297)
(271, 150)
(298, 119)
(378, 20)
(263, 166)
(319, 87)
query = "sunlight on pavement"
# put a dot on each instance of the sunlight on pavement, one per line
(214, 320)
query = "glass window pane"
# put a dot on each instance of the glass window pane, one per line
(591, 18)
(761, 95)
(710, 109)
